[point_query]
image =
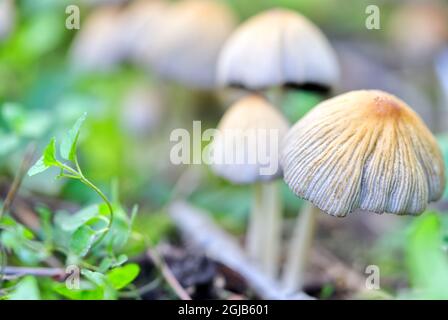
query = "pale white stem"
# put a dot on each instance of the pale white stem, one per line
(254, 234)
(272, 228)
(299, 247)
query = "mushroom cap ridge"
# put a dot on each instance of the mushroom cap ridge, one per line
(364, 149)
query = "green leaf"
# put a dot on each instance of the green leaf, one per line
(68, 145)
(47, 160)
(38, 167)
(122, 276)
(94, 277)
(49, 155)
(71, 222)
(26, 289)
(82, 240)
(94, 293)
(122, 258)
(426, 260)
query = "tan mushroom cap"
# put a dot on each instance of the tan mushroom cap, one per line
(366, 150)
(187, 45)
(277, 47)
(251, 133)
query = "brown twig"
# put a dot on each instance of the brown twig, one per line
(25, 164)
(167, 274)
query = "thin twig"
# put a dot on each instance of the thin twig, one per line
(38, 272)
(25, 164)
(167, 274)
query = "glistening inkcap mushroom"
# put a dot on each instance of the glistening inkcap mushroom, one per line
(362, 150)
(275, 48)
(247, 151)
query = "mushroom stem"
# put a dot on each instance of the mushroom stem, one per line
(299, 247)
(254, 236)
(271, 229)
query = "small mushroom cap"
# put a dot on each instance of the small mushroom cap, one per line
(250, 136)
(277, 47)
(366, 150)
(188, 43)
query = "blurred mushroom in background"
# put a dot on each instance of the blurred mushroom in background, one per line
(189, 40)
(7, 18)
(277, 47)
(142, 110)
(103, 2)
(418, 30)
(98, 46)
(142, 20)
(365, 65)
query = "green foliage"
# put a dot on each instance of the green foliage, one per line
(297, 103)
(426, 259)
(26, 289)
(120, 277)
(68, 145)
(92, 238)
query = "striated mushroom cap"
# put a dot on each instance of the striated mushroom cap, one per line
(187, 46)
(247, 148)
(367, 150)
(277, 47)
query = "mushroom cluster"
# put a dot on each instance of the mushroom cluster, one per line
(364, 150)
(275, 49)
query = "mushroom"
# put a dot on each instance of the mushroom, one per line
(142, 20)
(246, 151)
(98, 45)
(188, 43)
(423, 20)
(275, 48)
(7, 18)
(364, 150)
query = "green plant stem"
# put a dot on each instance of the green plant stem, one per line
(79, 175)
